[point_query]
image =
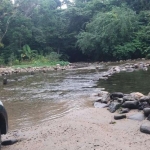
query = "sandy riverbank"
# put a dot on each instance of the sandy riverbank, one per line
(87, 129)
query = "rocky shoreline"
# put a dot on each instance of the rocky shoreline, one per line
(123, 103)
(9, 70)
(129, 66)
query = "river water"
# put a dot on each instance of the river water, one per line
(32, 99)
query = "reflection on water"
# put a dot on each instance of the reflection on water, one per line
(31, 99)
(127, 82)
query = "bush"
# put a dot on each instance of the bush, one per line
(148, 56)
(16, 62)
(53, 56)
(2, 61)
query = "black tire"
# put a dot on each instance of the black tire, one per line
(0, 140)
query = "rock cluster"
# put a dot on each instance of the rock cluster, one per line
(123, 103)
(9, 70)
(128, 67)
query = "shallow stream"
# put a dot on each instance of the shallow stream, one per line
(32, 99)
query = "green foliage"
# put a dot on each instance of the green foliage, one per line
(86, 30)
(107, 30)
(148, 56)
(53, 56)
(2, 61)
(27, 53)
(1, 45)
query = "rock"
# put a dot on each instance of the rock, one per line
(141, 65)
(136, 95)
(143, 105)
(32, 72)
(120, 100)
(128, 98)
(148, 118)
(115, 95)
(5, 81)
(106, 74)
(9, 142)
(138, 116)
(98, 100)
(114, 106)
(127, 66)
(104, 96)
(124, 110)
(123, 69)
(129, 70)
(100, 105)
(117, 69)
(146, 111)
(145, 127)
(103, 78)
(144, 99)
(136, 66)
(145, 68)
(148, 94)
(117, 117)
(130, 104)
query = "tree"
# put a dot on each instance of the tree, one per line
(6, 13)
(106, 31)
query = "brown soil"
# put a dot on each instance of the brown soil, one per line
(87, 129)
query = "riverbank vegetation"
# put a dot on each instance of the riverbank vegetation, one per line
(43, 31)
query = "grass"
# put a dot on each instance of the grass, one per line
(40, 64)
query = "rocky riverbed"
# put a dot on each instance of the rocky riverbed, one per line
(93, 128)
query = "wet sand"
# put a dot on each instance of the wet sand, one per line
(87, 129)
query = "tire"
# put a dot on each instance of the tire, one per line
(0, 140)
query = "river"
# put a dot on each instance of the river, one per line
(33, 99)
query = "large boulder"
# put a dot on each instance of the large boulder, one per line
(144, 99)
(128, 98)
(116, 95)
(145, 127)
(104, 96)
(137, 116)
(130, 104)
(143, 105)
(136, 95)
(146, 111)
(114, 106)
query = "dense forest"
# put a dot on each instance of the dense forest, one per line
(83, 30)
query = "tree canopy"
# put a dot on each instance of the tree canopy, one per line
(86, 30)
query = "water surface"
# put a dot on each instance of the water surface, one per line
(32, 99)
(127, 82)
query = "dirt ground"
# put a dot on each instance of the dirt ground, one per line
(87, 129)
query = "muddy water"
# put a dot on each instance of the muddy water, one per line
(32, 99)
